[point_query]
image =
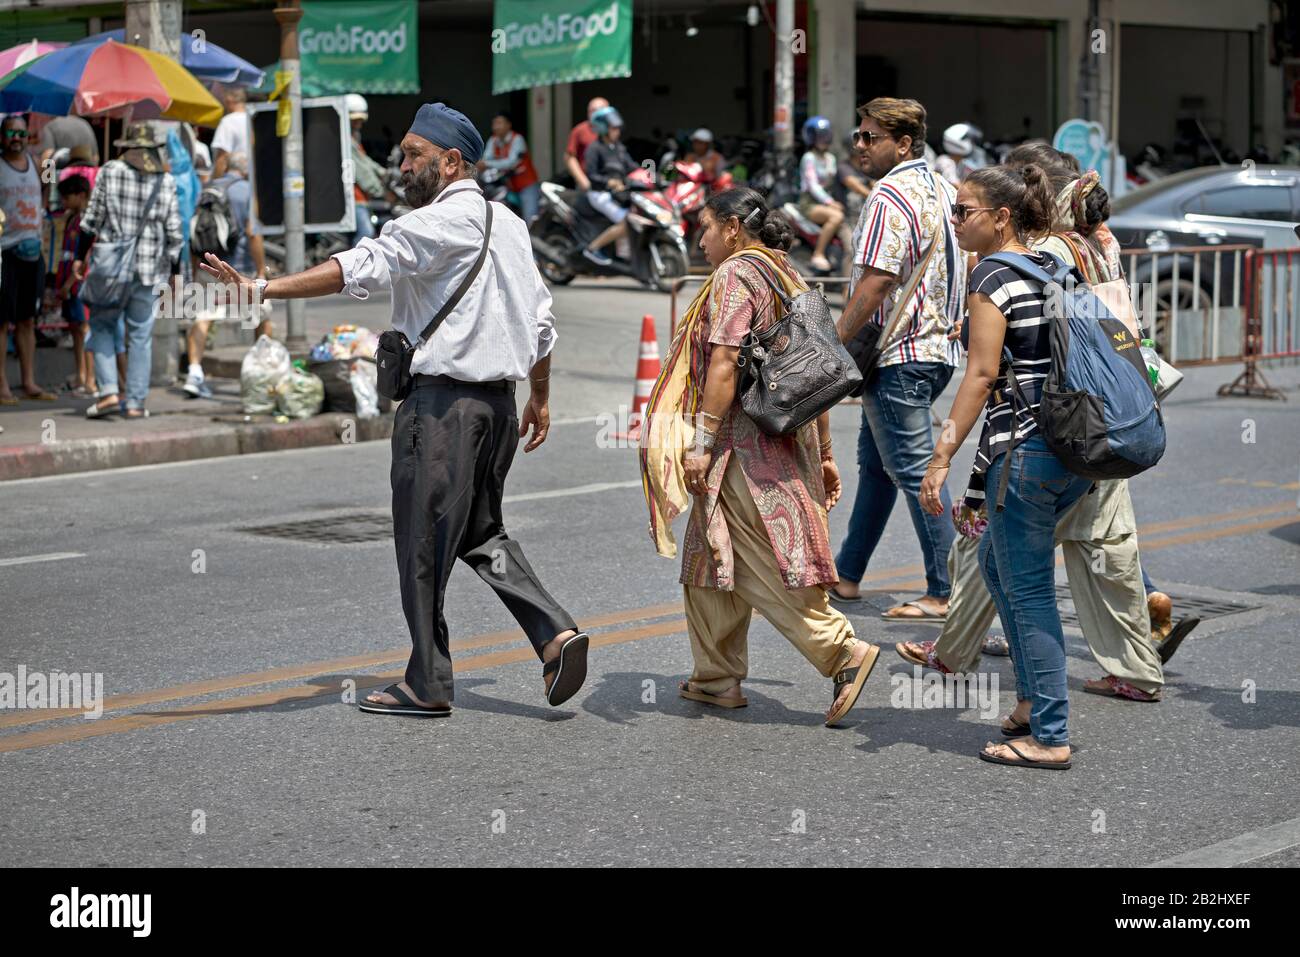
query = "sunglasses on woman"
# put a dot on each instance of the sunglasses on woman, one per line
(15, 134)
(960, 211)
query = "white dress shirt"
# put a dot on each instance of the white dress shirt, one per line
(501, 327)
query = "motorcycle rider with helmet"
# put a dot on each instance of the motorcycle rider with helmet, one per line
(959, 158)
(607, 165)
(818, 172)
(702, 152)
(367, 175)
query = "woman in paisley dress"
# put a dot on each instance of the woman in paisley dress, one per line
(757, 536)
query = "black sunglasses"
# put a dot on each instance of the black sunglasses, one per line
(859, 136)
(960, 211)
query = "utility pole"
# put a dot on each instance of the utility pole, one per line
(783, 114)
(287, 15)
(156, 25)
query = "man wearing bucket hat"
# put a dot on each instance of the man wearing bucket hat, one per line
(456, 433)
(134, 198)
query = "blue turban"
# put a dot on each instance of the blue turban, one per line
(450, 129)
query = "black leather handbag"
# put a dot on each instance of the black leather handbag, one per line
(395, 352)
(796, 368)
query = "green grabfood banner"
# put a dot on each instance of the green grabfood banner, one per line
(536, 42)
(364, 46)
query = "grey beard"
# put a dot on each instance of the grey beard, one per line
(420, 189)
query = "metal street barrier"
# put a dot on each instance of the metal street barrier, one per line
(1269, 332)
(1191, 300)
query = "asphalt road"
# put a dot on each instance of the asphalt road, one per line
(228, 659)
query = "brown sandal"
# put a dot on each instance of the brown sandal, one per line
(855, 676)
(684, 689)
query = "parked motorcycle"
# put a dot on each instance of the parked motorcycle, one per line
(566, 223)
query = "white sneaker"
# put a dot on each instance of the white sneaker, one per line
(820, 263)
(195, 388)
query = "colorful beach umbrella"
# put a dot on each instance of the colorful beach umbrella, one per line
(108, 79)
(209, 62)
(15, 57)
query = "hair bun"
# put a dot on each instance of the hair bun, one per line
(776, 231)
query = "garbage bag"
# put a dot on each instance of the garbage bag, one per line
(264, 370)
(301, 395)
(364, 377)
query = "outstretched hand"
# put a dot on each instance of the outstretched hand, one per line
(229, 278)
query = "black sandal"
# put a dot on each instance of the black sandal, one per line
(1018, 730)
(1025, 762)
(570, 669)
(1180, 631)
(405, 706)
(856, 677)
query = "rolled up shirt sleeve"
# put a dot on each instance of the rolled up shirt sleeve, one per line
(375, 264)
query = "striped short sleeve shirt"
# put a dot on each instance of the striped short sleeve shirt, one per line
(908, 210)
(1021, 301)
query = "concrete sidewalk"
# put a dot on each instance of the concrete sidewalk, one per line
(52, 438)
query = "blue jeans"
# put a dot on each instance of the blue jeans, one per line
(1017, 557)
(1147, 583)
(895, 443)
(139, 316)
(530, 198)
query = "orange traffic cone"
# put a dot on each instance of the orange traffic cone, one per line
(647, 371)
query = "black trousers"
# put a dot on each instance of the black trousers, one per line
(453, 443)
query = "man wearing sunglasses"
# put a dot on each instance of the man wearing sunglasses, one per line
(906, 267)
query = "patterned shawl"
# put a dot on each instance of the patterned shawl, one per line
(1097, 256)
(668, 428)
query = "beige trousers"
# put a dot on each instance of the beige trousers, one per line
(1106, 584)
(718, 621)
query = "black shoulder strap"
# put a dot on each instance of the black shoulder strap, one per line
(768, 273)
(1015, 396)
(459, 294)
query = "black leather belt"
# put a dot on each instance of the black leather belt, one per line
(497, 385)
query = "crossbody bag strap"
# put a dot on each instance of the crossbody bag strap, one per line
(1013, 393)
(468, 281)
(900, 307)
(148, 207)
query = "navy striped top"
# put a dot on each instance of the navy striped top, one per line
(1021, 301)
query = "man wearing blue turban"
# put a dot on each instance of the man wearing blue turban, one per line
(455, 434)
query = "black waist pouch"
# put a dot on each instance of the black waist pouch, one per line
(393, 358)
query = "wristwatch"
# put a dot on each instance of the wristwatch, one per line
(260, 285)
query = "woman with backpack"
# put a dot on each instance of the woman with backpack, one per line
(999, 210)
(757, 536)
(1098, 535)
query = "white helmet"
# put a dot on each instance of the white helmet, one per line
(702, 134)
(358, 108)
(959, 139)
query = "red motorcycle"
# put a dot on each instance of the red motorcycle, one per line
(688, 191)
